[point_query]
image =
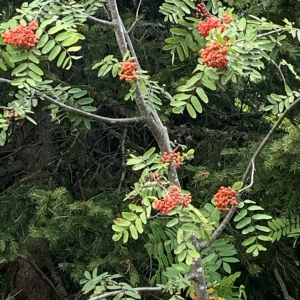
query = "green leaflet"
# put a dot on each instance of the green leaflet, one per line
(243, 223)
(172, 223)
(54, 52)
(70, 41)
(240, 215)
(133, 232)
(129, 216)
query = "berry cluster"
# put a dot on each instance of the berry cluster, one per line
(12, 115)
(154, 176)
(201, 8)
(171, 200)
(172, 157)
(227, 19)
(206, 26)
(128, 72)
(215, 55)
(22, 36)
(224, 197)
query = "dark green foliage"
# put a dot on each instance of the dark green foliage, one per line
(76, 220)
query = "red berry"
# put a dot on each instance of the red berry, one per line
(215, 55)
(227, 19)
(128, 72)
(224, 197)
(205, 27)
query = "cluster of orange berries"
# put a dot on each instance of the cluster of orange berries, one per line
(206, 26)
(215, 55)
(209, 23)
(224, 197)
(22, 36)
(201, 8)
(227, 19)
(128, 72)
(172, 157)
(171, 200)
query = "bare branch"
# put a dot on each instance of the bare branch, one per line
(282, 285)
(139, 289)
(129, 143)
(267, 138)
(277, 31)
(100, 21)
(252, 178)
(136, 17)
(279, 69)
(93, 116)
(44, 276)
(84, 113)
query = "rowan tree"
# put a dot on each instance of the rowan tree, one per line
(193, 256)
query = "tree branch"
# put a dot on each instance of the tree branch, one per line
(84, 113)
(139, 289)
(219, 230)
(267, 138)
(123, 151)
(100, 21)
(136, 16)
(199, 275)
(159, 132)
(44, 276)
(93, 116)
(282, 285)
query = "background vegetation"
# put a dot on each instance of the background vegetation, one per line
(62, 186)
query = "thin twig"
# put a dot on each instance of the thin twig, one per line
(100, 21)
(252, 178)
(268, 136)
(66, 152)
(13, 296)
(139, 289)
(265, 34)
(279, 69)
(136, 17)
